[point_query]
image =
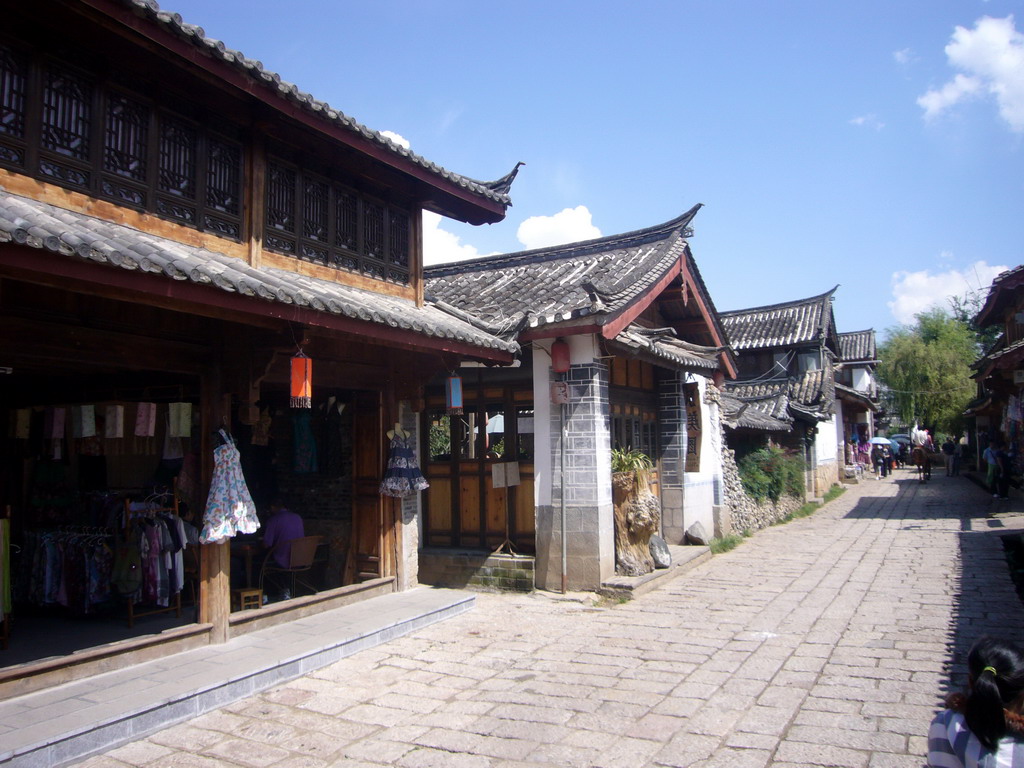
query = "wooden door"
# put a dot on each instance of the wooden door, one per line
(368, 525)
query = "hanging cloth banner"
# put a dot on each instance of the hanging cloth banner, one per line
(113, 424)
(23, 423)
(57, 426)
(302, 382)
(180, 420)
(145, 420)
(88, 421)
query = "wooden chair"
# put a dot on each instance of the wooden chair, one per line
(303, 552)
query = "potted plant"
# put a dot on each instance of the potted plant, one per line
(637, 511)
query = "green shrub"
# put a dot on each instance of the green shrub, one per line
(724, 544)
(770, 473)
(630, 460)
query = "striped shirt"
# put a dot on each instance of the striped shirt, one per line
(952, 745)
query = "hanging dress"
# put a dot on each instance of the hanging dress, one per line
(229, 507)
(402, 477)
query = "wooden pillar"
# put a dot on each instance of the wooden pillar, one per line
(215, 559)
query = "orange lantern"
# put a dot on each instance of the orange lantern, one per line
(302, 382)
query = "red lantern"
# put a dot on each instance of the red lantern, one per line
(302, 382)
(560, 356)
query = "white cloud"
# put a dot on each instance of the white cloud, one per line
(396, 137)
(441, 246)
(904, 56)
(566, 226)
(935, 102)
(991, 60)
(868, 121)
(916, 292)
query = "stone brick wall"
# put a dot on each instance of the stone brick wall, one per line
(672, 465)
(825, 476)
(590, 535)
(459, 569)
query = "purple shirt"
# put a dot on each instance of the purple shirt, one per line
(283, 526)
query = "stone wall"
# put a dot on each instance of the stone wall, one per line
(740, 512)
(480, 570)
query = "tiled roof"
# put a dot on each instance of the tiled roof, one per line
(811, 393)
(857, 345)
(849, 393)
(1001, 356)
(116, 246)
(778, 325)
(549, 285)
(738, 414)
(1000, 296)
(769, 397)
(662, 345)
(196, 36)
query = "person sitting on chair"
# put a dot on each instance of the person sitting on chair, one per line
(283, 526)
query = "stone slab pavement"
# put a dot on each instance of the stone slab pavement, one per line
(828, 641)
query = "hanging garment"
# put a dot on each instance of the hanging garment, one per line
(229, 507)
(402, 477)
(145, 420)
(180, 420)
(113, 425)
(305, 459)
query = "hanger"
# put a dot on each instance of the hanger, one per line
(397, 430)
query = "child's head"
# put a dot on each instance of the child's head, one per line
(996, 670)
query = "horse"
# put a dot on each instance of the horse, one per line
(923, 461)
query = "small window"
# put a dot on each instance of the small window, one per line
(439, 436)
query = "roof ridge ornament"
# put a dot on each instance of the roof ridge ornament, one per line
(503, 185)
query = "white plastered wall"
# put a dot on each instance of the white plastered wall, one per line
(699, 488)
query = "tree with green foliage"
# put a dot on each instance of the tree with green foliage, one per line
(926, 368)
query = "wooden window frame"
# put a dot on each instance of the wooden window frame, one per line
(340, 248)
(91, 174)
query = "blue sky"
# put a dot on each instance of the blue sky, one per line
(874, 145)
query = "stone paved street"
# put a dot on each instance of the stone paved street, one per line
(824, 642)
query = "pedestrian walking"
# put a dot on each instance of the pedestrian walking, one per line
(958, 454)
(991, 459)
(985, 726)
(948, 449)
(879, 460)
(1003, 468)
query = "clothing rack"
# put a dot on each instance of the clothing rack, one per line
(152, 512)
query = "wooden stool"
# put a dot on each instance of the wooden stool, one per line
(248, 598)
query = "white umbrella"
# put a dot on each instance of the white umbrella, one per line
(880, 441)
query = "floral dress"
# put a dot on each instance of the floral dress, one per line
(402, 477)
(229, 507)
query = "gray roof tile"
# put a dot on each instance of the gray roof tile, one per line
(857, 346)
(71, 234)
(533, 288)
(663, 345)
(804, 321)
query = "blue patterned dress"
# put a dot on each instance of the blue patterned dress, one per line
(402, 477)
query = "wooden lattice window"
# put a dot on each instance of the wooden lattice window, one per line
(13, 85)
(316, 220)
(109, 141)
